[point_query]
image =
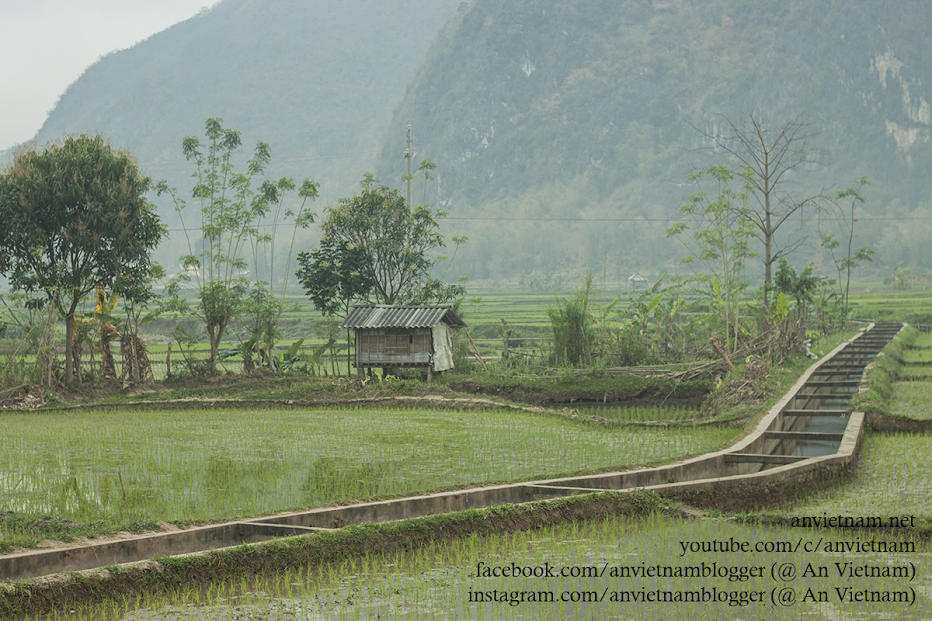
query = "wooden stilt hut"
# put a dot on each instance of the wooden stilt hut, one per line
(392, 337)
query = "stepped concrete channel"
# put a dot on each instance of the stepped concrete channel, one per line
(809, 430)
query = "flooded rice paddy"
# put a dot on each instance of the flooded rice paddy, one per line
(220, 464)
(616, 568)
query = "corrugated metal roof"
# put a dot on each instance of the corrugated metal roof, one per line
(383, 316)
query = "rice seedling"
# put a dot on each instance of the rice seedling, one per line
(597, 569)
(643, 414)
(125, 466)
(923, 339)
(918, 355)
(915, 372)
(893, 478)
(913, 399)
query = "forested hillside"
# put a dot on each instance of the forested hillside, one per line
(314, 78)
(568, 109)
(563, 130)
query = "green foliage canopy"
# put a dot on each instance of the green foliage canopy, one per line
(719, 241)
(75, 216)
(394, 241)
(801, 287)
(231, 212)
(334, 275)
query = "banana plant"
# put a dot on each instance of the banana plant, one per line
(777, 311)
(288, 361)
(644, 307)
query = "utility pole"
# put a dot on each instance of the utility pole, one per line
(409, 155)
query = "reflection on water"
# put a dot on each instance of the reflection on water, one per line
(814, 448)
(827, 424)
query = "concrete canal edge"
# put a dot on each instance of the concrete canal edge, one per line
(275, 543)
(38, 596)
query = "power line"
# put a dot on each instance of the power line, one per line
(286, 227)
(671, 219)
(508, 219)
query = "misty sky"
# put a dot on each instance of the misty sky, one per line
(46, 44)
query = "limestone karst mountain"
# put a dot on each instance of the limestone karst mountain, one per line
(562, 130)
(316, 79)
(561, 108)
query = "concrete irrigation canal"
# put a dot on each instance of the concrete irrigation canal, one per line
(810, 431)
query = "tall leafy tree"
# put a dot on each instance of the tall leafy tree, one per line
(230, 211)
(853, 195)
(263, 307)
(767, 159)
(801, 287)
(717, 233)
(74, 216)
(394, 242)
(334, 276)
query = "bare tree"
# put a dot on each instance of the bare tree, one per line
(767, 159)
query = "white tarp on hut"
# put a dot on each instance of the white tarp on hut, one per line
(443, 347)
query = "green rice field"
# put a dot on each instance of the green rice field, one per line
(915, 372)
(218, 464)
(204, 464)
(658, 413)
(913, 394)
(913, 399)
(884, 305)
(893, 477)
(921, 355)
(594, 567)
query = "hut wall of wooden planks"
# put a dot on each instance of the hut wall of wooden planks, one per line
(403, 336)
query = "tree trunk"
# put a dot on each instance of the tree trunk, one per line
(848, 280)
(768, 262)
(45, 359)
(134, 352)
(215, 332)
(506, 335)
(76, 355)
(142, 367)
(106, 356)
(212, 362)
(717, 347)
(214, 352)
(215, 346)
(69, 347)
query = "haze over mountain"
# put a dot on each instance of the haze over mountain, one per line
(316, 79)
(560, 108)
(537, 110)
